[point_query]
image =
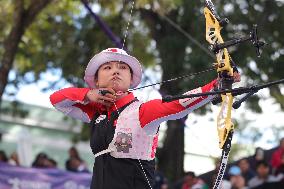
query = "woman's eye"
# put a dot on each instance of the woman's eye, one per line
(107, 67)
(123, 67)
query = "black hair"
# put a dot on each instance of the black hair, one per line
(243, 159)
(53, 161)
(3, 156)
(262, 162)
(190, 173)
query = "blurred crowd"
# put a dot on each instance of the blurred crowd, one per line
(255, 172)
(74, 162)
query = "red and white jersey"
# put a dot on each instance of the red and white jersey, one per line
(152, 113)
(130, 139)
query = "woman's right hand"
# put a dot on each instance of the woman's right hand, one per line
(97, 95)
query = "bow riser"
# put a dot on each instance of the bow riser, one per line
(225, 72)
(213, 36)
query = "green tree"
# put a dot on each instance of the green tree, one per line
(64, 37)
(21, 14)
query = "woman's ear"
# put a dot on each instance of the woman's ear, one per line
(131, 80)
(96, 82)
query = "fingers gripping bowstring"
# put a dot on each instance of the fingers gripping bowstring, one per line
(123, 44)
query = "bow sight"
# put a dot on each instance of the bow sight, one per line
(251, 37)
(216, 47)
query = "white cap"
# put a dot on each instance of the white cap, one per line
(109, 55)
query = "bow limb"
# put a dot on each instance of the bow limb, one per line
(213, 36)
(224, 70)
(224, 123)
(225, 127)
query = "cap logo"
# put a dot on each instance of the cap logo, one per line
(112, 50)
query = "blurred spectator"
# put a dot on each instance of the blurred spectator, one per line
(73, 153)
(3, 156)
(76, 165)
(160, 180)
(280, 168)
(276, 156)
(262, 175)
(50, 163)
(190, 181)
(237, 181)
(165, 186)
(40, 160)
(257, 157)
(14, 159)
(199, 184)
(246, 170)
(179, 184)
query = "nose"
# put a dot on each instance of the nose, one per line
(116, 70)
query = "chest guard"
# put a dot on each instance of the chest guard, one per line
(130, 139)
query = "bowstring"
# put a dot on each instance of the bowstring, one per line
(174, 79)
(123, 44)
(128, 23)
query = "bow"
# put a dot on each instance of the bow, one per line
(225, 70)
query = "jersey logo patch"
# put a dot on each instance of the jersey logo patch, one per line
(123, 142)
(100, 118)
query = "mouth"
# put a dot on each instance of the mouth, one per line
(115, 79)
(115, 82)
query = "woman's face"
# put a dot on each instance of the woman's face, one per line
(115, 75)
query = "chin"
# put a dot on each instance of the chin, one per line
(118, 87)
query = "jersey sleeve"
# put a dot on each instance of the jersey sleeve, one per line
(154, 112)
(71, 102)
